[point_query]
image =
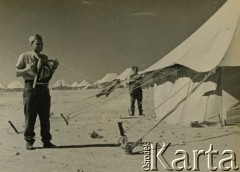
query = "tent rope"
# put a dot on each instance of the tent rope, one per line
(170, 112)
(153, 110)
(155, 79)
(216, 81)
(186, 102)
(76, 72)
(77, 108)
(145, 79)
(88, 105)
(150, 75)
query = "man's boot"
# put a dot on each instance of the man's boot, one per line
(141, 113)
(130, 112)
(29, 146)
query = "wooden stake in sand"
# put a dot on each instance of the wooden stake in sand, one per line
(220, 120)
(64, 118)
(120, 127)
(14, 128)
(123, 141)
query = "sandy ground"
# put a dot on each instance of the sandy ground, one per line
(79, 152)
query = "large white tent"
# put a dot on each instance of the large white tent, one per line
(83, 84)
(125, 74)
(200, 79)
(107, 79)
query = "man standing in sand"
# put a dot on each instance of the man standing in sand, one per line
(135, 89)
(36, 70)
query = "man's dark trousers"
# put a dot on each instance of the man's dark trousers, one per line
(36, 101)
(136, 95)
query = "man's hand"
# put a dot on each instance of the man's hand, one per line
(55, 64)
(30, 67)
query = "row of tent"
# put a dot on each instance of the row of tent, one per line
(64, 85)
(102, 83)
(106, 81)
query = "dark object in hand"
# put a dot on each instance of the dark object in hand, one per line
(55, 64)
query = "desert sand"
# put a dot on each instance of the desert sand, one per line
(78, 152)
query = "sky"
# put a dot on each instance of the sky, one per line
(95, 37)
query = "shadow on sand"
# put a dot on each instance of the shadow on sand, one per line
(90, 146)
(80, 146)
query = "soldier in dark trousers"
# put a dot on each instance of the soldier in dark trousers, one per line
(37, 71)
(135, 89)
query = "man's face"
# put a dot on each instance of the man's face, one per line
(135, 70)
(37, 45)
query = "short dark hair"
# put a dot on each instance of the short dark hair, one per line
(34, 37)
(135, 67)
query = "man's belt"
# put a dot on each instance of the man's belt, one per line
(30, 82)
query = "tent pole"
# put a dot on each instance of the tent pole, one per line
(220, 120)
(221, 103)
(185, 104)
(205, 115)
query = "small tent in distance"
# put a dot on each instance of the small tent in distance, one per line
(107, 80)
(15, 86)
(61, 85)
(95, 84)
(74, 85)
(83, 84)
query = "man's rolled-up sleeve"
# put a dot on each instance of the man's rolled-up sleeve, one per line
(21, 62)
